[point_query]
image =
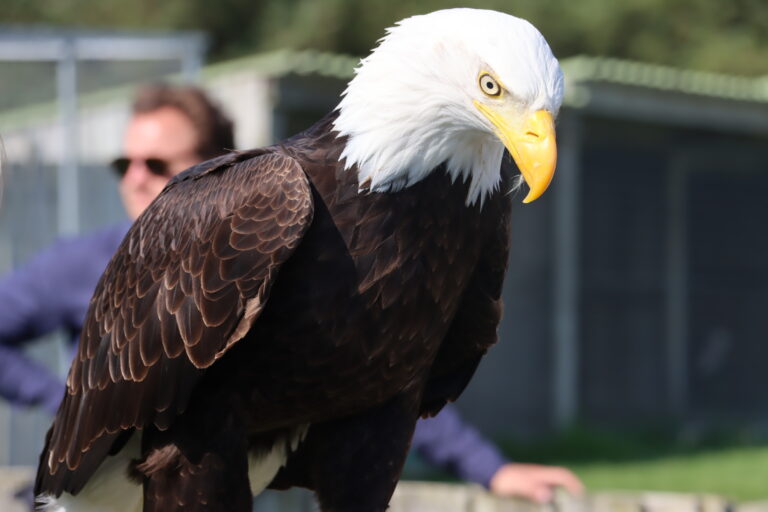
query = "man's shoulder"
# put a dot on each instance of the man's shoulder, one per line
(101, 241)
(62, 276)
(77, 254)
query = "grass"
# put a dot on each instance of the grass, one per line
(738, 473)
(729, 465)
(724, 464)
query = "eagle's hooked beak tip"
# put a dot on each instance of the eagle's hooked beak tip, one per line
(531, 144)
(536, 153)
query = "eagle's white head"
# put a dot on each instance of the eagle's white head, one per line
(453, 86)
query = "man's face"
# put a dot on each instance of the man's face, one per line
(164, 134)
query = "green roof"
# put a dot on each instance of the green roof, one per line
(640, 74)
(283, 62)
(578, 70)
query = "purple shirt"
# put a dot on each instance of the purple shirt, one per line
(52, 291)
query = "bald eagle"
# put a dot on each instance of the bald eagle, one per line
(282, 316)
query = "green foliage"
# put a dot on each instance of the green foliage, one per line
(589, 445)
(701, 34)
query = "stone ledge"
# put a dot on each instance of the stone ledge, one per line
(442, 497)
(13, 478)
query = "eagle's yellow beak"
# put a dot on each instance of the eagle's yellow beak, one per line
(531, 143)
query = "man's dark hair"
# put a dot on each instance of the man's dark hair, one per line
(215, 133)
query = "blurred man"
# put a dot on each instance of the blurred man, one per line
(171, 129)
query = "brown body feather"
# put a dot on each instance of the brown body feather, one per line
(262, 291)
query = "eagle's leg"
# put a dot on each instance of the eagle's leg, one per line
(353, 464)
(198, 465)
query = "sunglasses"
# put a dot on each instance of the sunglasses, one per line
(155, 166)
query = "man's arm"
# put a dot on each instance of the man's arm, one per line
(36, 299)
(449, 443)
(26, 382)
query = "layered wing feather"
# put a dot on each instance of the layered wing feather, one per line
(188, 281)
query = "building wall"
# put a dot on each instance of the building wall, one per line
(622, 294)
(674, 274)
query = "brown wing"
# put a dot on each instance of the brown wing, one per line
(188, 281)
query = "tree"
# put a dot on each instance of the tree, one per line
(701, 34)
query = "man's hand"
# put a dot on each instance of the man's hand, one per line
(534, 482)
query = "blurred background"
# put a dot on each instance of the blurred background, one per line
(634, 347)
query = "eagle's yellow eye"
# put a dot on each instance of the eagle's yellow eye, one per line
(489, 85)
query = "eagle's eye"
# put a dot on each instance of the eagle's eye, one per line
(489, 85)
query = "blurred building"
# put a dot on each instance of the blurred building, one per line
(634, 297)
(636, 283)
